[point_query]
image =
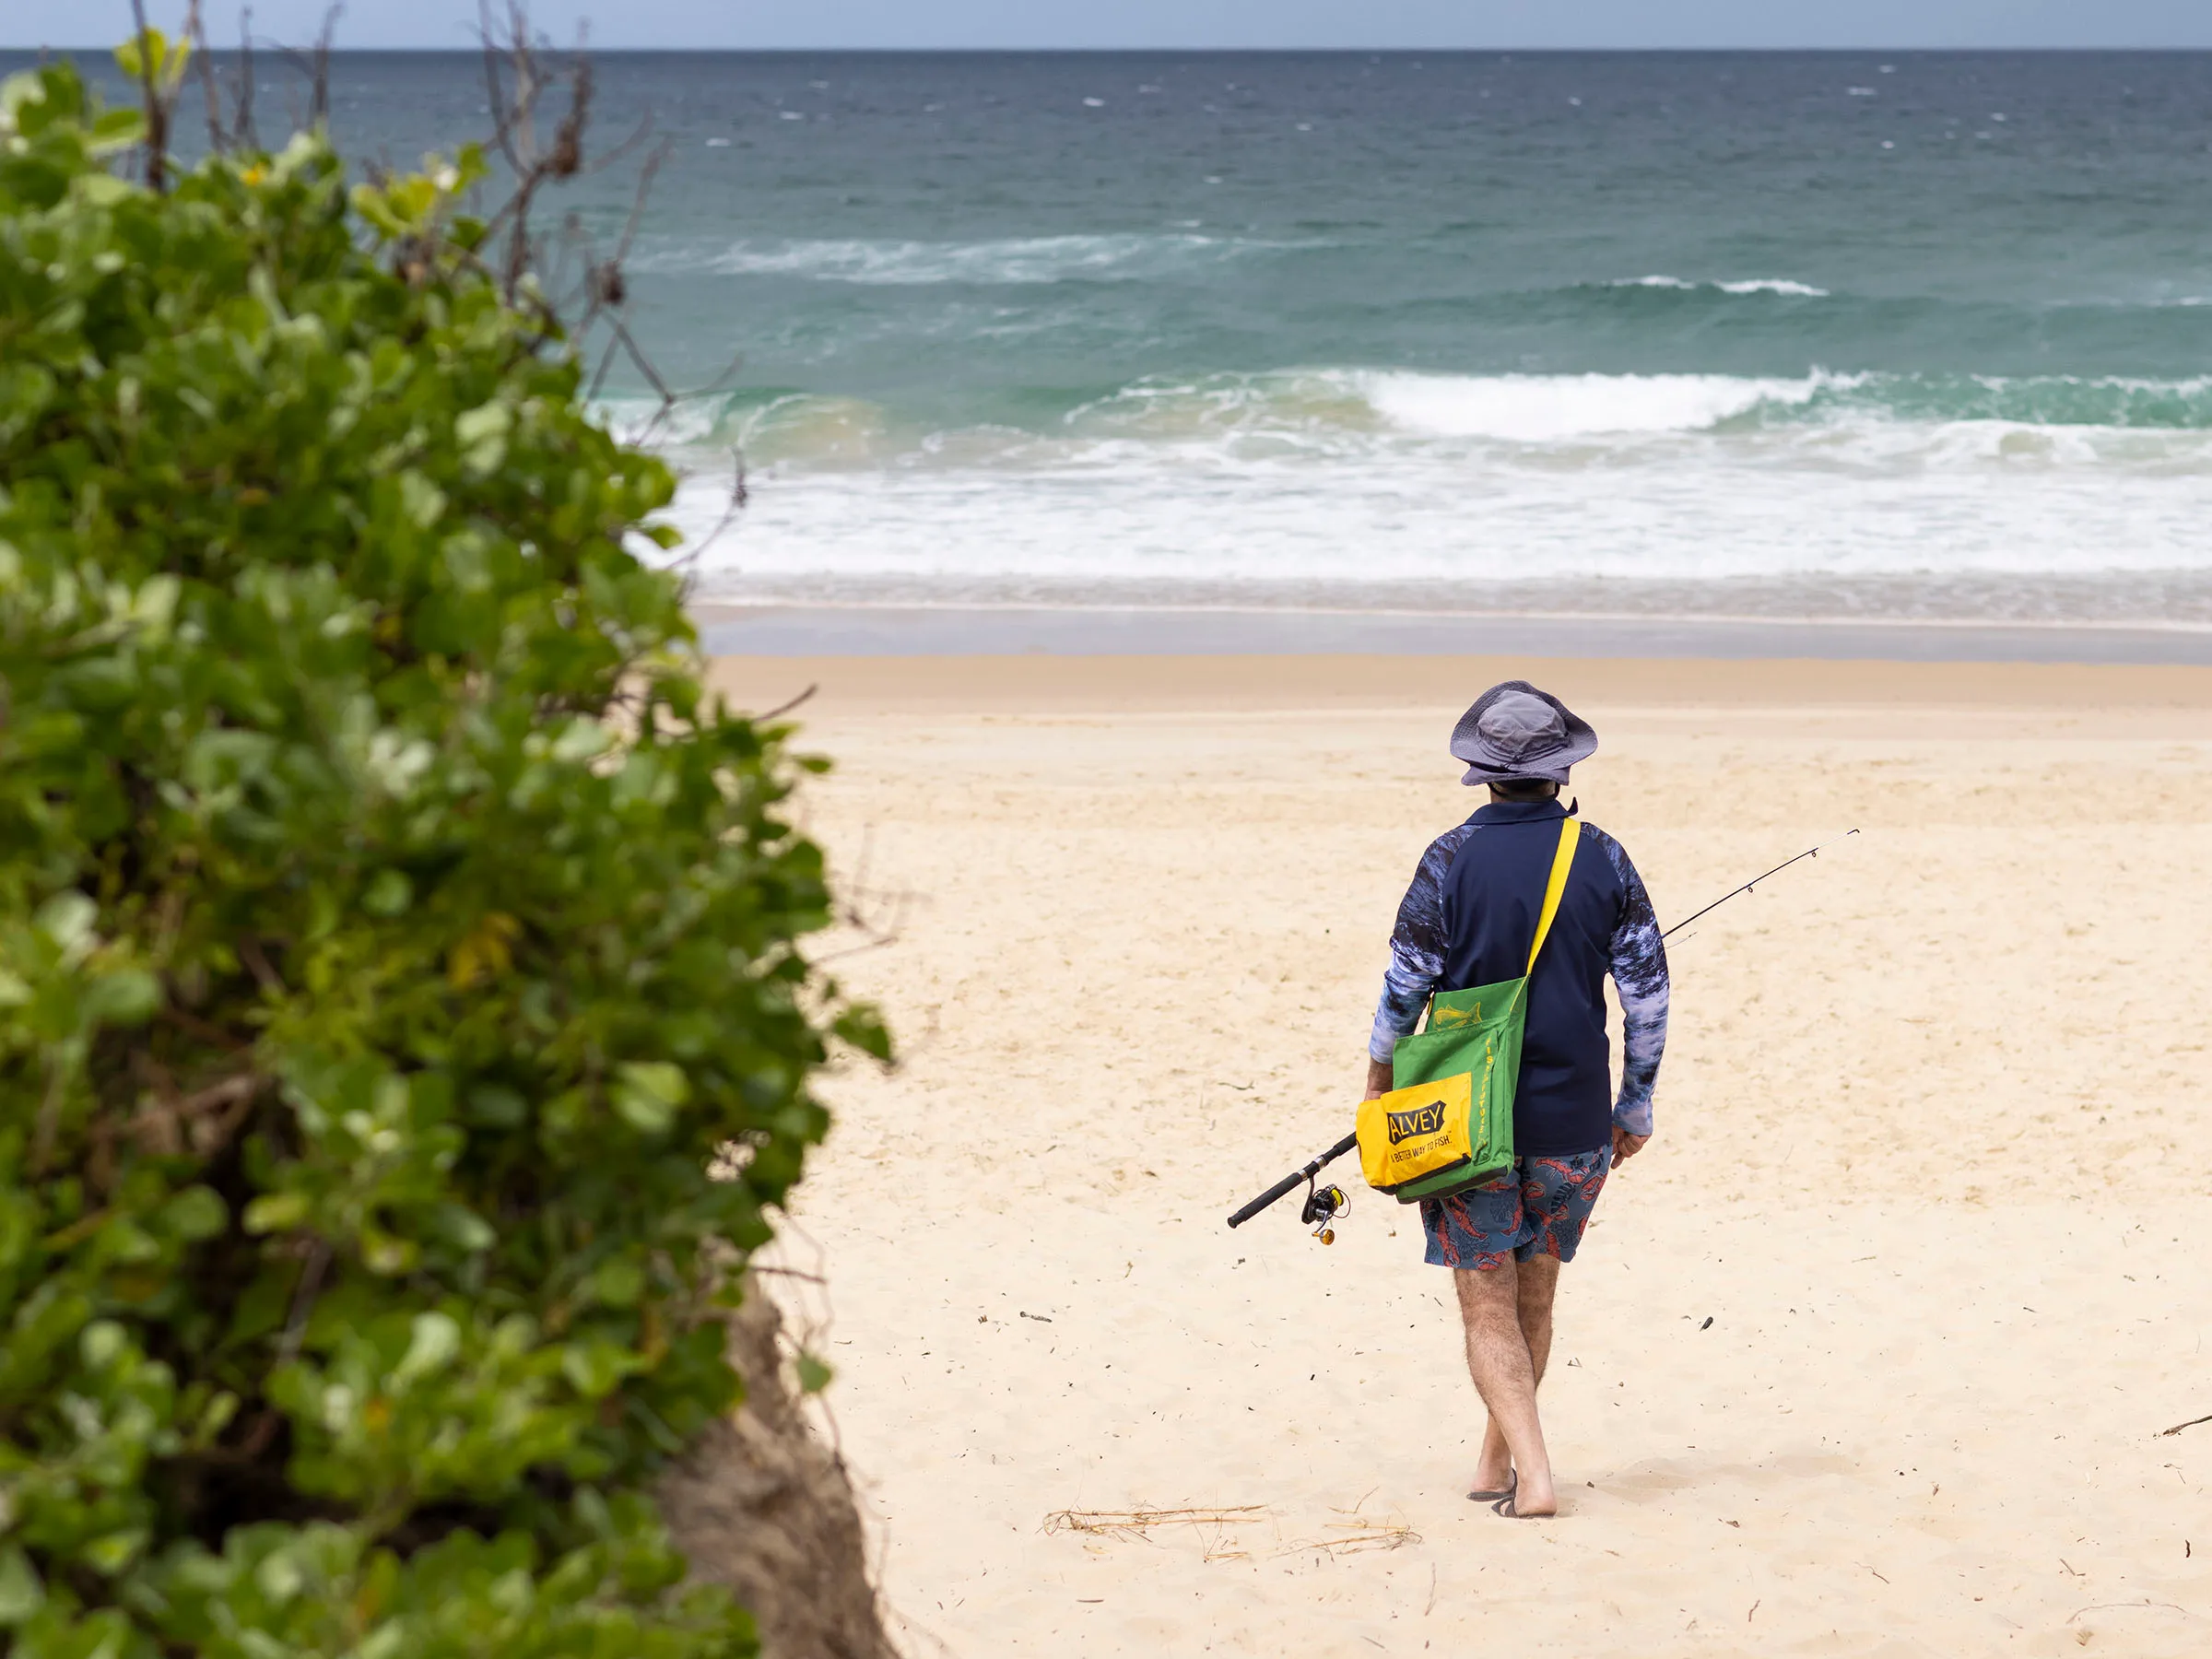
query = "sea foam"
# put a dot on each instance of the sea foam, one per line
(1749, 285)
(1340, 479)
(1016, 261)
(1546, 408)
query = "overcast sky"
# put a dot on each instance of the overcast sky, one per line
(1431, 24)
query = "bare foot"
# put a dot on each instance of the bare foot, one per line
(1535, 1496)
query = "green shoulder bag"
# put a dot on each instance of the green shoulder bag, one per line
(1448, 1124)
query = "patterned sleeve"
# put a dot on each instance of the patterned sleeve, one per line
(1640, 975)
(1416, 947)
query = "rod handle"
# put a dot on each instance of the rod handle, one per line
(1285, 1184)
(1291, 1181)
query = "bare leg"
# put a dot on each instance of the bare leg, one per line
(1537, 1282)
(1505, 1358)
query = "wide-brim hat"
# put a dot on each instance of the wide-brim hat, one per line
(1515, 731)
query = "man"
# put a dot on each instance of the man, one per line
(1468, 919)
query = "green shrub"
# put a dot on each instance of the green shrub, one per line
(392, 933)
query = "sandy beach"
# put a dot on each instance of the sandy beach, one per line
(1869, 1353)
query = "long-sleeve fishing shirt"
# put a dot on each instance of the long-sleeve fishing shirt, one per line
(1467, 920)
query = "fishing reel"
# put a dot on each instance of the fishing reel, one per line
(1321, 1207)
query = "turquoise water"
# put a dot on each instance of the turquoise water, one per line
(1824, 332)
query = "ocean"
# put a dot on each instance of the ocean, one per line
(1833, 334)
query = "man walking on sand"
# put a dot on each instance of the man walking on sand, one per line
(1468, 919)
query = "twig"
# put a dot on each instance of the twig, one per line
(257, 963)
(157, 107)
(49, 1123)
(241, 128)
(319, 88)
(2192, 1423)
(2106, 1606)
(314, 62)
(785, 708)
(1136, 1522)
(187, 1021)
(303, 1300)
(812, 1278)
(739, 495)
(211, 92)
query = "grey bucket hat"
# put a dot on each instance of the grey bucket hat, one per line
(1515, 731)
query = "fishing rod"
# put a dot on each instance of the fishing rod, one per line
(1333, 1197)
(1732, 892)
(1323, 1203)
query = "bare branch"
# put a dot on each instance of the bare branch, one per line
(720, 383)
(607, 362)
(257, 963)
(688, 565)
(314, 62)
(211, 92)
(242, 127)
(157, 107)
(303, 1301)
(495, 89)
(644, 365)
(786, 706)
(319, 108)
(638, 200)
(620, 152)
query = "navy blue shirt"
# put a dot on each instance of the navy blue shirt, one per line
(1468, 919)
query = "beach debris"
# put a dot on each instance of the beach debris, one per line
(2192, 1423)
(1139, 1522)
(2111, 1607)
(1358, 1534)
(1213, 1526)
(1040, 1318)
(1353, 1533)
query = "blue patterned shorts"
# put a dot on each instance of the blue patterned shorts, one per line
(1539, 1209)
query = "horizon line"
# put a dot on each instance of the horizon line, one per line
(271, 44)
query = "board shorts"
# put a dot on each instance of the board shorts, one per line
(1539, 1208)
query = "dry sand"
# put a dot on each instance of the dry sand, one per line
(1870, 1352)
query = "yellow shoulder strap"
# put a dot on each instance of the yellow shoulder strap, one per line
(1571, 835)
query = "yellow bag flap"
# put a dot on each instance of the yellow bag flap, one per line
(1410, 1132)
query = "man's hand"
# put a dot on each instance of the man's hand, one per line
(1378, 1078)
(1625, 1146)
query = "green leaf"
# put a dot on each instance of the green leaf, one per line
(814, 1374)
(142, 53)
(648, 1093)
(102, 1343)
(276, 1212)
(21, 1595)
(129, 996)
(434, 1340)
(195, 1213)
(110, 1553)
(388, 894)
(67, 919)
